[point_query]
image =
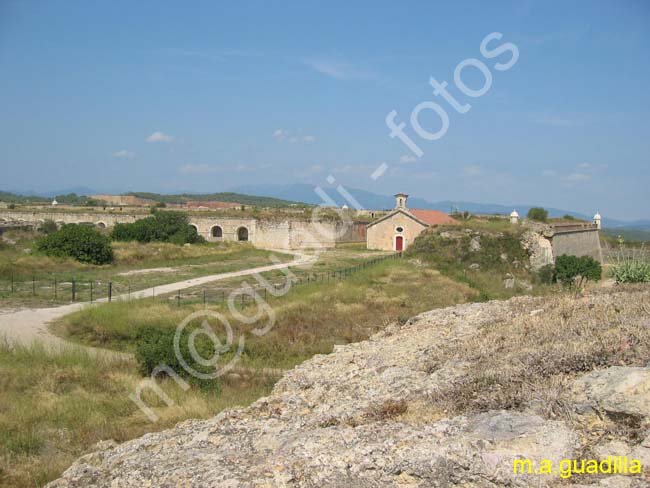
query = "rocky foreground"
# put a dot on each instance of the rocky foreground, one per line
(450, 398)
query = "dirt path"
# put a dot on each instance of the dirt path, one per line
(27, 326)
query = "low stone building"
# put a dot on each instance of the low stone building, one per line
(396, 230)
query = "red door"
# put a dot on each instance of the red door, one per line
(399, 243)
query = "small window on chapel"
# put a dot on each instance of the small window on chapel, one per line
(399, 229)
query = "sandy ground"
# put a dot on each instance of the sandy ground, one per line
(29, 325)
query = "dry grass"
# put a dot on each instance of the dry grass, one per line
(530, 359)
(310, 319)
(55, 407)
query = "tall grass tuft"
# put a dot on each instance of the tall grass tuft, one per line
(632, 266)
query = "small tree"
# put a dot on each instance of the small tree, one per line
(48, 227)
(539, 214)
(568, 269)
(81, 242)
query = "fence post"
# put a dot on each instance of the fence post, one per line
(110, 291)
(91, 291)
(204, 297)
(178, 298)
(55, 290)
(74, 290)
(153, 293)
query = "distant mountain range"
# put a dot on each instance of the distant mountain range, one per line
(298, 192)
(305, 193)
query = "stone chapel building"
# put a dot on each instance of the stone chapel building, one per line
(396, 230)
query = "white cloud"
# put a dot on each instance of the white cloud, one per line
(407, 158)
(549, 173)
(578, 177)
(197, 169)
(280, 134)
(124, 154)
(292, 137)
(159, 137)
(473, 170)
(584, 165)
(336, 70)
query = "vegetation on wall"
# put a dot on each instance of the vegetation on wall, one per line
(48, 227)
(81, 242)
(165, 226)
(481, 254)
(538, 214)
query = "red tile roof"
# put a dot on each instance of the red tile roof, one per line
(432, 217)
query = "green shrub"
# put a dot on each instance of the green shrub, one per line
(569, 268)
(631, 271)
(165, 226)
(546, 274)
(81, 242)
(538, 213)
(48, 227)
(155, 347)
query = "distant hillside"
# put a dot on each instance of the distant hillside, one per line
(369, 200)
(629, 234)
(8, 197)
(252, 200)
(67, 198)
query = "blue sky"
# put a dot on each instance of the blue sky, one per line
(206, 96)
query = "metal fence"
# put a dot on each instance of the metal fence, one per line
(59, 290)
(244, 297)
(71, 290)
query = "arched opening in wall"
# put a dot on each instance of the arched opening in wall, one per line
(196, 227)
(217, 232)
(101, 225)
(242, 234)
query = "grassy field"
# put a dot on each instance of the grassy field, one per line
(55, 407)
(136, 266)
(310, 319)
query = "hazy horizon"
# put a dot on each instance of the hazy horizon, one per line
(160, 97)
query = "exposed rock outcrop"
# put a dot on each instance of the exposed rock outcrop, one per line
(364, 417)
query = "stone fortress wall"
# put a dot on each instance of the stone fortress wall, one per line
(546, 242)
(272, 234)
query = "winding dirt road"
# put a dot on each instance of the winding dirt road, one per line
(29, 325)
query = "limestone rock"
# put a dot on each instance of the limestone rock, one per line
(475, 244)
(539, 249)
(363, 417)
(623, 390)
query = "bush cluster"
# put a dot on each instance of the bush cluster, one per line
(161, 227)
(155, 347)
(538, 213)
(48, 227)
(569, 269)
(81, 242)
